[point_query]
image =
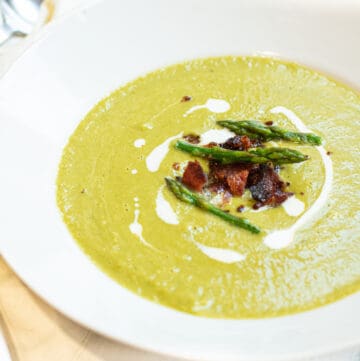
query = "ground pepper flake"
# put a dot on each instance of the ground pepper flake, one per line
(186, 98)
(269, 123)
(241, 208)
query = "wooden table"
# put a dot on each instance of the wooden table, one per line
(37, 332)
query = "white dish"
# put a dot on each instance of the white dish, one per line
(52, 86)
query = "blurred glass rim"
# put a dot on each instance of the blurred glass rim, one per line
(49, 10)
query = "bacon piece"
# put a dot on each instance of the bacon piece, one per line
(221, 190)
(266, 187)
(246, 142)
(240, 142)
(231, 176)
(211, 145)
(185, 98)
(194, 176)
(192, 138)
(241, 208)
(237, 181)
(217, 187)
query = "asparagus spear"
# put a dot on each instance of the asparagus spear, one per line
(257, 130)
(185, 195)
(255, 156)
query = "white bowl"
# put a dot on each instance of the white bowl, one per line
(52, 86)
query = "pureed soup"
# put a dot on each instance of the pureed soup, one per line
(112, 192)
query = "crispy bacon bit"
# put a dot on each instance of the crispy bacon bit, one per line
(221, 190)
(231, 176)
(185, 98)
(240, 142)
(192, 138)
(216, 187)
(256, 143)
(246, 142)
(240, 208)
(269, 123)
(233, 143)
(237, 181)
(194, 176)
(228, 180)
(226, 197)
(211, 145)
(266, 187)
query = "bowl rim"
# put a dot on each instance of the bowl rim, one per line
(41, 37)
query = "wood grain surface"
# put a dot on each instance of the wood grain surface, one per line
(37, 332)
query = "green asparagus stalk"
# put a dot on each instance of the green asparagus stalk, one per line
(255, 156)
(185, 195)
(257, 130)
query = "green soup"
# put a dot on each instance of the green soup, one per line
(115, 203)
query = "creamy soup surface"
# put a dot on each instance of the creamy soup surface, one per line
(112, 194)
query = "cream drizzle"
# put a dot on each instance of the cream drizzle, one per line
(293, 206)
(135, 227)
(138, 143)
(158, 154)
(216, 135)
(213, 105)
(282, 238)
(221, 254)
(261, 209)
(164, 210)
